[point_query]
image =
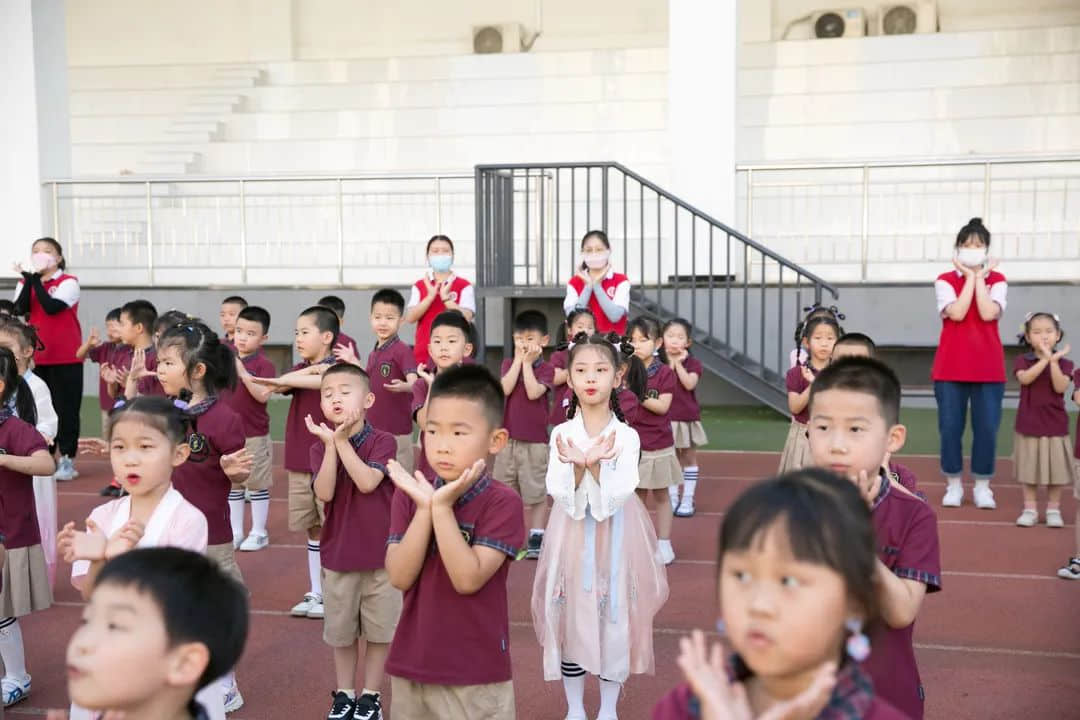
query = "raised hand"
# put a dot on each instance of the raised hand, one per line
(448, 494)
(869, 486)
(569, 452)
(810, 702)
(428, 284)
(341, 432)
(603, 449)
(989, 267)
(319, 430)
(65, 543)
(424, 373)
(397, 386)
(444, 291)
(532, 353)
(346, 353)
(89, 545)
(124, 540)
(95, 338)
(1061, 353)
(237, 464)
(416, 486)
(807, 374)
(93, 446)
(963, 269)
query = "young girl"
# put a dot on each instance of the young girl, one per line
(799, 354)
(685, 412)
(819, 336)
(659, 467)
(22, 340)
(193, 364)
(146, 442)
(25, 577)
(578, 321)
(1041, 452)
(598, 583)
(796, 570)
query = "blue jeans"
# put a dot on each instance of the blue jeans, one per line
(952, 403)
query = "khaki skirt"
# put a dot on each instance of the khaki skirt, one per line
(796, 453)
(688, 434)
(26, 582)
(1042, 460)
(659, 469)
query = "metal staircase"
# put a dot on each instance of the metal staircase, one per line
(742, 299)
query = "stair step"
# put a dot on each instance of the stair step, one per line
(180, 135)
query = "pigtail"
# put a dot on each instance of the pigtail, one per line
(227, 359)
(571, 409)
(25, 407)
(616, 407)
(17, 394)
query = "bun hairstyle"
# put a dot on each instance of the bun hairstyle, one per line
(812, 324)
(16, 391)
(974, 227)
(562, 340)
(813, 311)
(24, 333)
(1025, 327)
(621, 352)
(199, 344)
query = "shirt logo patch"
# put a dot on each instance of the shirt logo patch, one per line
(384, 369)
(610, 292)
(452, 296)
(652, 394)
(200, 448)
(467, 534)
(3, 451)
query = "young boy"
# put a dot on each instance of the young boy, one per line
(449, 547)
(338, 306)
(854, 427)
(230, 310)
(316, 331)
(854, 345)
(111, 354)
(527, 380)
(392, 370)
(249, 401)
(348, 466)
(148, 614)
(449, 346)
(139, 372)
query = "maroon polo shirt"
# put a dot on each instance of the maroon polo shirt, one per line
(18, 513)
(1076, 385)
(1041, 412)
(106, 354)
(297, 438)
(392, 411)
(560, 395)
(684, 403)
(655, 430)
(524, 419)
(796, 383)
(253, 414)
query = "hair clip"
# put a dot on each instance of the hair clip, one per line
(120, 402)
(1027, 318)
(180, 404)
(858, 645)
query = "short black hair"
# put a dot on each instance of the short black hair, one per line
(864, 375)
(234, 300)
(389, 296)
(438, 238)
(254, 313)
(180, 583)
(344, 368)
(7, 307)
(325, 319)
(197, 343)
(471, 382)
(113, 314)
(141, 312)
(527, 320)
(856, 338)
(453, 318)
(826, 523)
(334, 303)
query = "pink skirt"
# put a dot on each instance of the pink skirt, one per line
(598, 586)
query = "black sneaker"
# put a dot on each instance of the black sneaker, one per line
(536, 540)
(368, 707)
(343, 707)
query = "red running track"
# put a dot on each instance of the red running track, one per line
(1001, 641)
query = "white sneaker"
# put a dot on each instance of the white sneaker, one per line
(255, 541)
(232, 698)
(666, 552)
(14, 690)
(317, 611)
(1054, 519)
(954, 496)
(686, 507)
(1028, 518)
(237, 540)
(65, 469)
(984, 497)
(673, 496)
(302, 608)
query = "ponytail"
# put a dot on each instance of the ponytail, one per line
(17, 393)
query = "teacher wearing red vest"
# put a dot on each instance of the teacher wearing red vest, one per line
(598, 287)
(440, 289)
(50, 297)
(969, 365)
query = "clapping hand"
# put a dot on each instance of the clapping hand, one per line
(807, 374)
(569, 452)
(424, 373)
(416, 486)
(1060, 353)
(601, 451)
(449, 493)
(869, 486)
(237, 464)
(346, 354)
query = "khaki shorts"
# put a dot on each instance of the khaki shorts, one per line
(406, 452)
(523, 466)
(359, 604)
(305, 510)
(420, 701)
(262, 460)
(224, 555)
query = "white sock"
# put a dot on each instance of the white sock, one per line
(609, 698)
(954, 481)
(690, 475)
(11, 649)
(260, 510)
(236, 512)
(664, 543)
(314, 566)
(574, 687)
(673, 493)
(982, 483)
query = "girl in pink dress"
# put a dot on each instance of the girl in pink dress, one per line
(599, 581)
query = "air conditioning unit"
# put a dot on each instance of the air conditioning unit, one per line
(845, 22)
(905, 18)
(504, 38)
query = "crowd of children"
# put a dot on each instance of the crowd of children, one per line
(822, 570)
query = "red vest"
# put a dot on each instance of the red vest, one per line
(608, 285)
(969, 350)
(61, 333)
(423, 328)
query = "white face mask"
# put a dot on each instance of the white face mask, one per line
(596, 261)
(971, 257)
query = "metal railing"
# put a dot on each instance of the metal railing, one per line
(896, 221)
(275, 230)
(743, 298)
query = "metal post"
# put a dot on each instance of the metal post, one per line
(865, 218)
(749, 203)
(56, 211)
(986, 193)
(149, 235)
(438, 205)
(340, 234)
(243, 234)
(604, 199)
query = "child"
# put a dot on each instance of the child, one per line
(146, 442)
(599, 582)
(149, 613)
(392, 370)
(799, 354)
(344, 342)
(316, 332)
(449, 347)
(25, 587)
(819, 336)
(854, 425)
(1041, 444)
(1071, 569)
(659, 466)
(348, 467)
(795, 583)
(685, 412)
(104, 353)
(137, 374)
(526, 381)
(449, 550)
(230, 310)
(580, 320)
(249, 402)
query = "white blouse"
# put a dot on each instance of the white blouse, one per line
(601, 497)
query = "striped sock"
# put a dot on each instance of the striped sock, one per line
(314, 565)
(573, 681)
(260, 510)
(690, 475)
(236, 512)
